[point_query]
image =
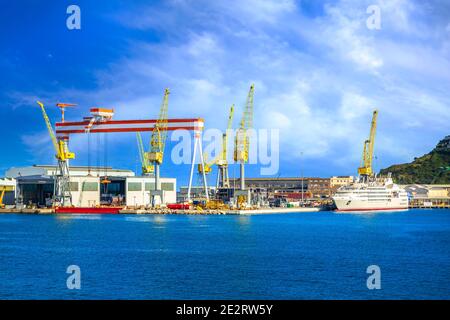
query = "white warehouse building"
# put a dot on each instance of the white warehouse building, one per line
(35, 186)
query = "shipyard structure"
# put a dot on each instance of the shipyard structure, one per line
(63, 188)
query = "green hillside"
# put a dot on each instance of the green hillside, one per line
(432, 168)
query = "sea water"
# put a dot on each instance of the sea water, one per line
(321, 255)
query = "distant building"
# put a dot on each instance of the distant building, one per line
(310, 186)
(428, 191)
(416, 191)
(430, 195)
(438, 192)
(339, 181)
(35, 185)
(197, 192)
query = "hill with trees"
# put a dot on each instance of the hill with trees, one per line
(431, 168)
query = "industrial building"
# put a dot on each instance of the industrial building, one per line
(35, 185)
(197, 192)
(434, 195)
(311, 187)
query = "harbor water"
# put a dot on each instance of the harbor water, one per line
(321, 255)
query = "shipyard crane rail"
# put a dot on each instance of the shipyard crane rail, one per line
(366, 168)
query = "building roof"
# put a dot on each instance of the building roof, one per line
(280, 179)
(36, 179)
(82, 168)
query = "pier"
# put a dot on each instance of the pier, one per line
(430, 203)
(177, 211)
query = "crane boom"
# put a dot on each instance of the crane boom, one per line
(242, 144)
(366, 168)
(242, 141)
(146, 166)
(159, 135)
(50, 130)
(225, 135)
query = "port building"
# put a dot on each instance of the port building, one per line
(34, 185)
(428, 196)
(293, 187)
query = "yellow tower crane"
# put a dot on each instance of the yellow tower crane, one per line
(157, 144)
(221, 159)
(366, 169)
(62, 195)
(147, 167)
(242, 141)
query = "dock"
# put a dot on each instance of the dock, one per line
(430, 203)
(178, 211)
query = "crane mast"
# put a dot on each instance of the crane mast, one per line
(62, 195)
(158, 142)
(242, 141)
(223, 178)
(366, 168)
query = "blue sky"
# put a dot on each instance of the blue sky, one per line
(318, 73)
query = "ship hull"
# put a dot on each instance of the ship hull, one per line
(87, 210)
(372, 209)
(345, 205)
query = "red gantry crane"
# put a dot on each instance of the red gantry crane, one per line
(101, 121)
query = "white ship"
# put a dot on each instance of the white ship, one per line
(370, 193)
(377, 195)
